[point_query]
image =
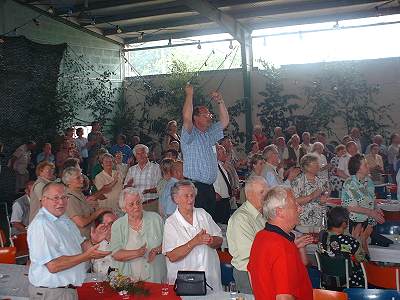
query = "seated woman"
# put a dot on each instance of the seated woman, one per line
(136, 240)
(109, 177)
(103, 223)
(318, 149)
(358, 195)
(79, 209)
(310, 191)
(335, 243)
(191, 237)
(256, 165)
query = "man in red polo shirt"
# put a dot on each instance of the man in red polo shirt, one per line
(276, 267)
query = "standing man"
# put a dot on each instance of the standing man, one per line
(276, 265)
(58, 252)
(198, 139)
(19, 162)
(122, 147)
(243, 226)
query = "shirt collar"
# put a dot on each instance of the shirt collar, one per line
(278, 230)
(270, 165)
(251, 209)
(52, 217)
(185, 223)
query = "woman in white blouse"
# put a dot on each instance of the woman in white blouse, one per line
(191, 237)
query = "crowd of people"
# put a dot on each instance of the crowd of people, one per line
(115, 206)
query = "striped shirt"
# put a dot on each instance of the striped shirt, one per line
(145, 178)
(199, 153)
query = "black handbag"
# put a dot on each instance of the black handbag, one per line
(191, 283)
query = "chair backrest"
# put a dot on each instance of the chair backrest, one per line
(338, 267)
(377, 294)
(226, 274)
(224, 257)
(329, 295)
(2, 238)
(8, 255)
(382, 276)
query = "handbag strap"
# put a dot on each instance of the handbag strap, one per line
(209, 285)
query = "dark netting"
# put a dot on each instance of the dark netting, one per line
(28, 88)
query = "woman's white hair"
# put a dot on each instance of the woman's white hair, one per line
(140, 146)
(315, 145)
(130, 191)
(275, 198)
(181, 183)
(68, 174)
(251, 182)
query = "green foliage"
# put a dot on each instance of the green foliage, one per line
(277, 109)
(341, 94)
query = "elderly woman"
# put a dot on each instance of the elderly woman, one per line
(111, 177)
(171, 135)
(191, 237)
(295, 151)
(310, 191)
(136, 240)
(375, 163)
(78, 209)
(256, 165)
(358, 194)
(318, 149)
(45, 174)
(335, 243)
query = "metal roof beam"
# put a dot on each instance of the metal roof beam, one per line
(231, 25)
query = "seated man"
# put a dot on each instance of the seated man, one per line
(58, 252)
(103, 223)
(276, 266)
(20, 211)
(167, 205)
(243, 226)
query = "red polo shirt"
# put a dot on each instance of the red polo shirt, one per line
(276, 267)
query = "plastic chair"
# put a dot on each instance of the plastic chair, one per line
(226, 274)
(21, 243)
(8, 255)
(315, 277)
(2, 238)
(329, 295)
(382, 276)
(376, 294)
(338, 268)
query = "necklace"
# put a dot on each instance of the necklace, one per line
(138, 226)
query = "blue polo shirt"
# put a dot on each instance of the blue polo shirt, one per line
(199, 153)
(125, 149)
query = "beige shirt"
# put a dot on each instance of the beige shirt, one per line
(112, 198)
(78, 206)
(36, 196)
(243, 226)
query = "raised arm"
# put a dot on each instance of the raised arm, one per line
(188, 108)
(223, 112)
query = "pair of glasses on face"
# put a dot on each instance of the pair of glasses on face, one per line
(58, 198)
(207, 115)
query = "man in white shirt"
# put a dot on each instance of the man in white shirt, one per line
(19, 162)
(82, 147)
(223, 188)
(144, 176)
(343, 170)
(20, 211)
(57, 250)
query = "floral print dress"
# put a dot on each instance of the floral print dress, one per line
(313, 211)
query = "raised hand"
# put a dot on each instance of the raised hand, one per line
(188, 90)
(216, 96)
(303, 240)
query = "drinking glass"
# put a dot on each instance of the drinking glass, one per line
(164, 286)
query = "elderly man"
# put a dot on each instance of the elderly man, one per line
(276, 267)
(378, 139)
(20, 211)
(243, 226)
(271, 175)
(144, 176)
(342, 169)
(199, 135)
(58, 252)
(46, 154)
(356, 137)
(19, 162)
(122, 147)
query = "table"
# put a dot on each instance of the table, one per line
(15, 286)
(15, 281)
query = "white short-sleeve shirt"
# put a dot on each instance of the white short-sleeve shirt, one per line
(344, 164)
(177, 231)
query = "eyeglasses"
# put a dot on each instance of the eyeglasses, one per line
(208, 115)
(57, 198)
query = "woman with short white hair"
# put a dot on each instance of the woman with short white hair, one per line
(191, 237)
(136, 239)
(318, 149)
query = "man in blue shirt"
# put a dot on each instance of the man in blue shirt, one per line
(58, 252)
(198, 139)
(122, 147)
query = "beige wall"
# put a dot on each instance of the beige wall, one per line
(384, 72)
